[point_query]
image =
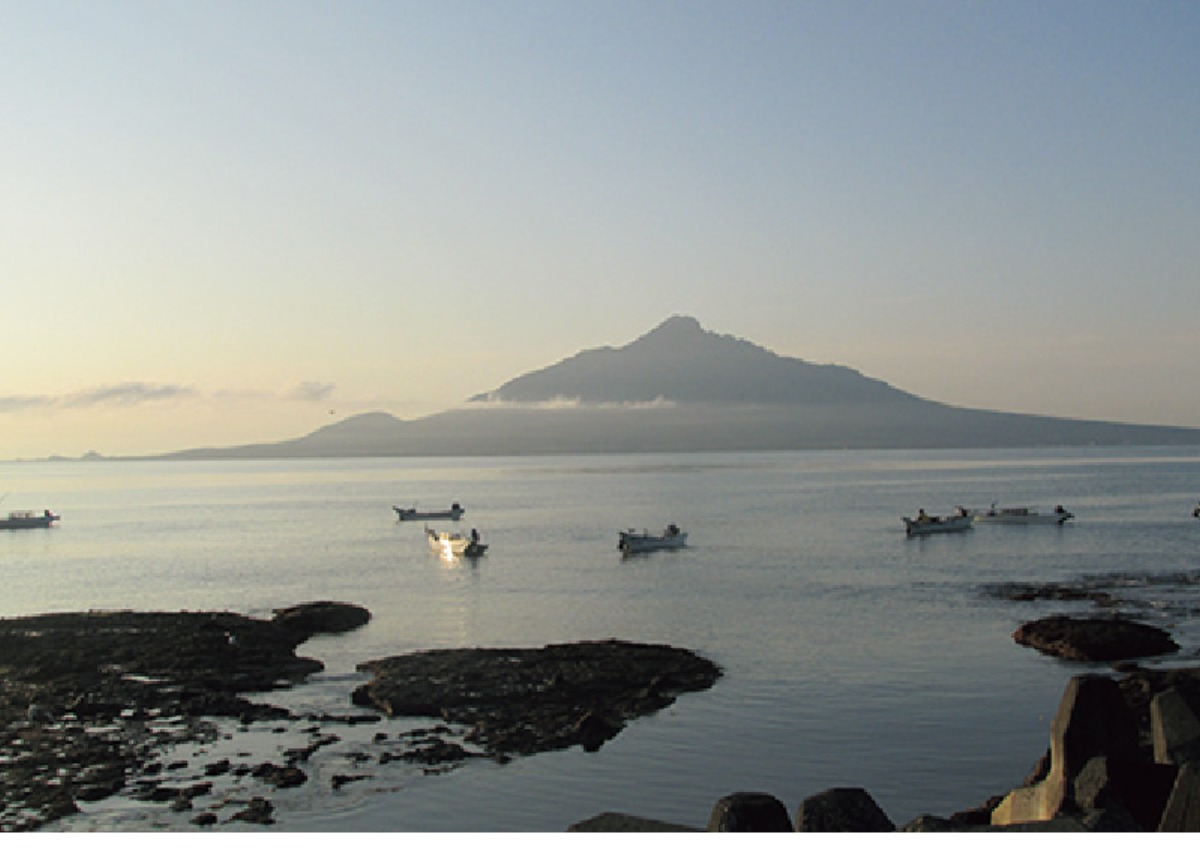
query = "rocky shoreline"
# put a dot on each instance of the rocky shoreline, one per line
(92, 705)
(1123, 756)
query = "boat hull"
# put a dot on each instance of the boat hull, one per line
(27, 520)
(636, 543)
(1022, 515)
(1027, 519)
(455, 545)
(954, 524)
(453, 514)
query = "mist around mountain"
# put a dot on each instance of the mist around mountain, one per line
(680, 388)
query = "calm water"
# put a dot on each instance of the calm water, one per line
(853, 655)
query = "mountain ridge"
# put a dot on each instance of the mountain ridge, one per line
(680, 388)
(680, 361)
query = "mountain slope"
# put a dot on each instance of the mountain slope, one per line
(681, 362)
(679, 388)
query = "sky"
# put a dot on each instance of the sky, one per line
(235, 221)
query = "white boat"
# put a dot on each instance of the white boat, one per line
(452, 545)
(632, 542)
(22, 519)
(1022, 515)
(454, 513)
(927, 524)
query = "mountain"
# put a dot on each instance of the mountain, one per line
(681, 362)
(680, 388)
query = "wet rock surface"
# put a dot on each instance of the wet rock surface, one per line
(154, 709)
(1120, 625)
(87, 700)
(1094, 639)
(527, 700)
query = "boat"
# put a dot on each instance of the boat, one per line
(28, 518)
(632, 542)
(451, 545)
(1022, 515)
(924, 524)
(454, 513)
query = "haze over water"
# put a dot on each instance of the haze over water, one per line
(853, 656)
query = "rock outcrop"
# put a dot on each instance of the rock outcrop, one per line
(1094, 639)
(79, 691)
(1103, 766)
(842, 809)
(1123, 757)
(528, 700)
(749, 812)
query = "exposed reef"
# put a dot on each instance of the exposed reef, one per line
(88, 699)
(529, 700)
(91, 703)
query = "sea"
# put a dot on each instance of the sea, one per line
(853, 655)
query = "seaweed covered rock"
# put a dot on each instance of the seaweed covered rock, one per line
(1094, 639)
(528, 700)
(308, 619)
(77, 688)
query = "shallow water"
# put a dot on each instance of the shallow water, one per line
(853, 655)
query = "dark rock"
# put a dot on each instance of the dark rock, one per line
(259, 811)
(109, 672)
(339, 781)
(303, 754)
(1175, 725)
(624, 823)
(1128, 793)
(592, 730)
(308, 619)
(845, 809)
(1096, 761)
(980, 815)
(1094, 639)
(436, 751)
(1114, 819)
(348, 719)
(1182, 811)
(749, 812)
(523, 701)
(930, 823)
(206, 819)
(220, 767)
(1057, 592)
(1141, 686)
(280, 777)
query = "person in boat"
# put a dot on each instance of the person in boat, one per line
(1058, 510)
(672, 530)
(922, 517)
(475, 536)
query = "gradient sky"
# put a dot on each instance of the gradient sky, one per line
(230, 222)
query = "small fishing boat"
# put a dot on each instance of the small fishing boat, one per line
(452, 545)
(28, 518)
(454, 513)
(924, 524)
(632, 542)
(1022, 515)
